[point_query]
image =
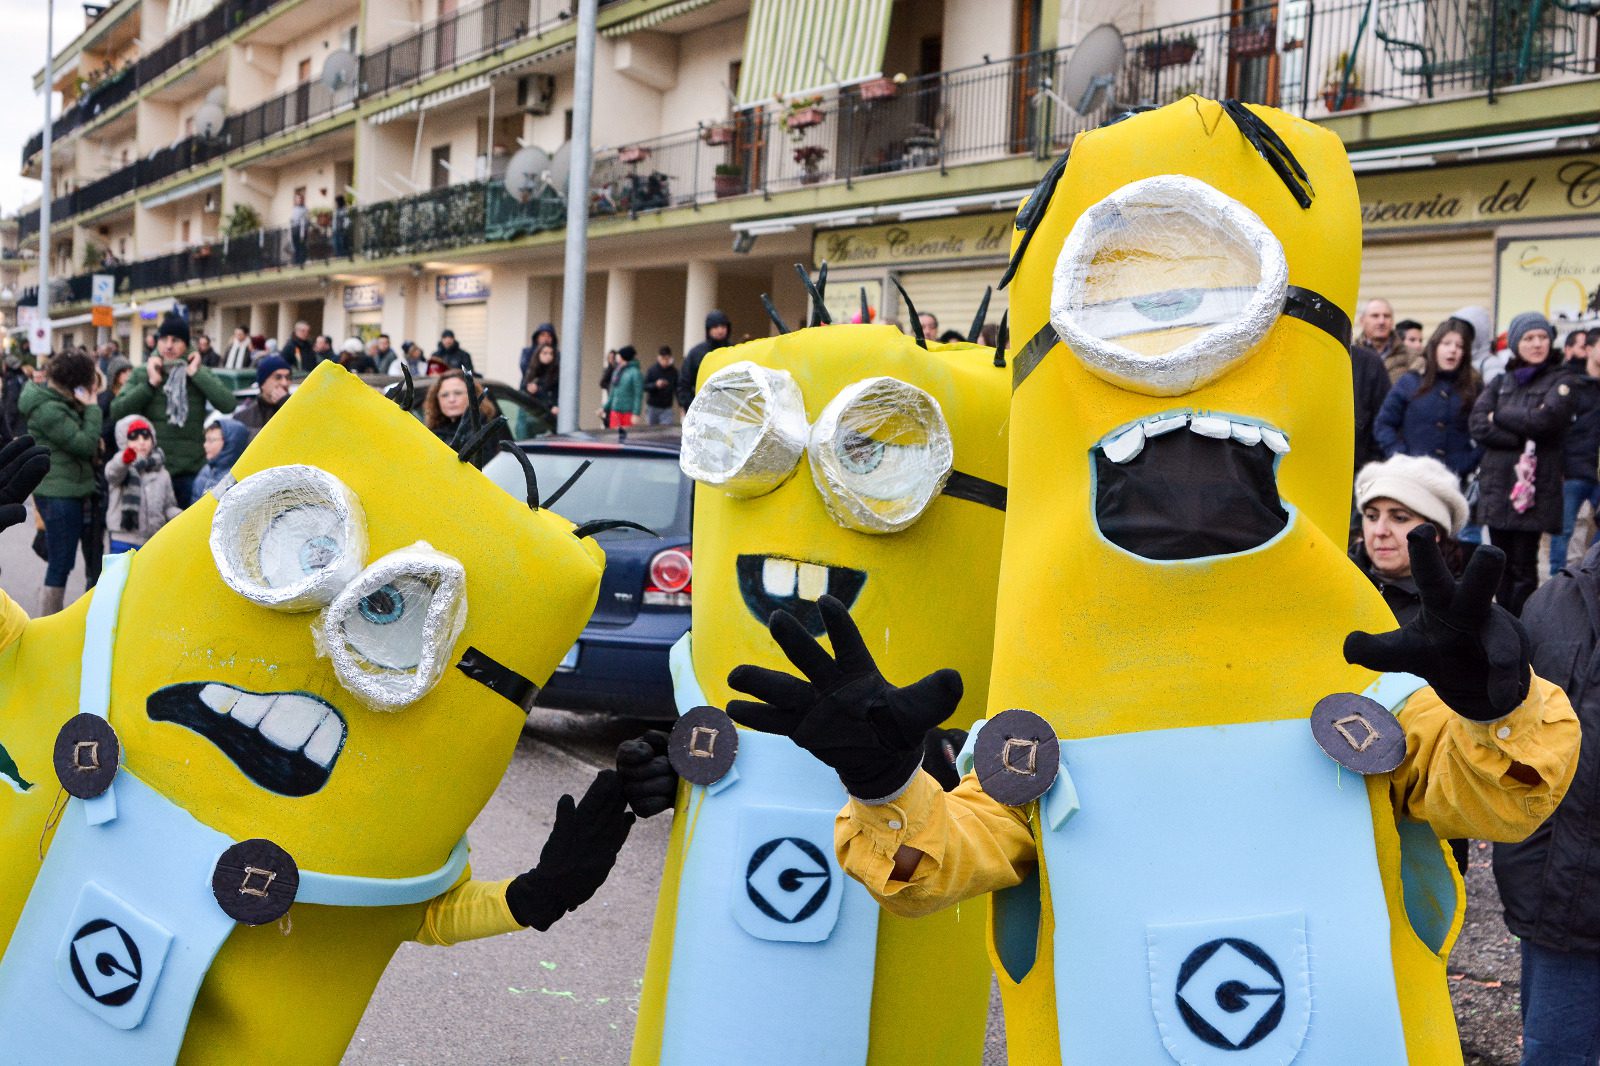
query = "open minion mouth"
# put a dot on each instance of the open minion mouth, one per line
(773, 583)
(286, 742)
(1209, 490)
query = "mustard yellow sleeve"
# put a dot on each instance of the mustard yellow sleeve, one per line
(1486, 780)
(970, 843)
(469, 911)
(13, 619)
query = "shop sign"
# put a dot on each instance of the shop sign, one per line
(462, 288)
(932, 240)
(368, 297)
(1489, 194)
(1557, 276)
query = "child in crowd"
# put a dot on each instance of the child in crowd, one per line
(142, 499)
(225, 440)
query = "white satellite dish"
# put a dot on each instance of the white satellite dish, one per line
(561, 169)
(218, 96)
(527, 173)
(209, 119)
(339, 72)
(1091, 77)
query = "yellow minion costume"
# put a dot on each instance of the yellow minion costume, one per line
(1180, 874)
(855, 461)
(301, 691)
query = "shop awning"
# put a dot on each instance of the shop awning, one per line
(651, 19)
(797, 46)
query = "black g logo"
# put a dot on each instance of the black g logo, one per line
(105, 962)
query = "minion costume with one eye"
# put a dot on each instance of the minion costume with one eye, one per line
(1199, 883)
(301, 691)
(856, 462)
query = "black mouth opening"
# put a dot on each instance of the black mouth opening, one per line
(276, 769)
(844, 585)
(1185, 496)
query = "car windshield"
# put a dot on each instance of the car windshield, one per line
(639, 488)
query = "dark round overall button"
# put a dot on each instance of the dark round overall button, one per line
(255, 882)
(86, 755)
(1016, 757)
(1358, 733)
(702, 746)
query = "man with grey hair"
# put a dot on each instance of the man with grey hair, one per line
(1377, 332)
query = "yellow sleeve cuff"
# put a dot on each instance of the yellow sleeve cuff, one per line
(469, 911)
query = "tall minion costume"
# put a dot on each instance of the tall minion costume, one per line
(291, 703)
(855, 462)
(1181, 873)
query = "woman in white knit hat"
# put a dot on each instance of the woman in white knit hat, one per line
(1394, 497)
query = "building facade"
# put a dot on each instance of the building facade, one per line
(891, 138)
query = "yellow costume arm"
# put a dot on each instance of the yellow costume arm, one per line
(469, 911)
(13, 619)
(1487, 780)
(970, 844)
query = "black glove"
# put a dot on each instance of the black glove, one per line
(1472, 651)
(939, 750)
(870, 732)
(23, 464)
(577, 857)
(649, 783)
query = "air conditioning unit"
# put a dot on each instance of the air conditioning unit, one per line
(536, 93)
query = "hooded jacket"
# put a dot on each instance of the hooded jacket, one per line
(72, 433)
(185, 444)
(687, 377)
(1507, 414)
(1550, 882)
(234, 438)
(142, 499)
(526, 358)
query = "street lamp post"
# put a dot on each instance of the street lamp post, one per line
(44, 174)
(577, 263)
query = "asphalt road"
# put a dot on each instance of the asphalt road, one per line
(570, 995)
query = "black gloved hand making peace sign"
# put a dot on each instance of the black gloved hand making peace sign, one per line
(1472, 651)
(869, 731)
(23, 464)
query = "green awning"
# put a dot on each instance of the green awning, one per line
(651, 19)
(799, 46)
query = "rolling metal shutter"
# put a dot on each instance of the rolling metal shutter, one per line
(1429, 278)
(953, 295)
(471, 325)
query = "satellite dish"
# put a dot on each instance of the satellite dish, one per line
(561, 169)
(218, 96)
(527, 173)
(339, 72)
(209, 119)
(1091, 76)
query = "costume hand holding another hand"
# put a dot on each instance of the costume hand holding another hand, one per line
(649, 783)
(872, 733)
(1473, 652)
(577, 857)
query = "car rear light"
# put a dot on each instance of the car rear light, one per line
(670, 580)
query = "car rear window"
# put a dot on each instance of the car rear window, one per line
(639, 488)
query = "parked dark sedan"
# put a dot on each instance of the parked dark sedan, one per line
(619, 664)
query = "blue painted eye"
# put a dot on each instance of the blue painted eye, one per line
(860, 454)
(382, 606)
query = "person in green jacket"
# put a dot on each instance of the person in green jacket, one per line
(626, 397)
(62, 414)
(172, 394)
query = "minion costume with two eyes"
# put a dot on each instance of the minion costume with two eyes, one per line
(301, 691)
(851, 461)
(1200, 883)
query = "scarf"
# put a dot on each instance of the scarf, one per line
(177, 389)
(1522, 490)
(133, 488)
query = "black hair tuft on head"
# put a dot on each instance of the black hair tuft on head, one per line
(772, 313)
(1002, 338)
(1032, 213)
(1265, 140)
(589, 529)
(530, 479)
(976, 332)
(819, 311)
(911, 309)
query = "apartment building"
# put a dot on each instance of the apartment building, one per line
(891, 138)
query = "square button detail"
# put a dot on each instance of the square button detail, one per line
(1020, 756)
(256, 881)
(703, 742)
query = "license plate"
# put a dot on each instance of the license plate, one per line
(569, 661)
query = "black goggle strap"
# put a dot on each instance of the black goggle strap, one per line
(1310, 307)
(975, 489)
(499, 678)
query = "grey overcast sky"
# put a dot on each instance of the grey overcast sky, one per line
(23, 112)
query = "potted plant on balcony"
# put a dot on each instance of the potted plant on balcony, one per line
(633, 154)
(1351, 97)
(717, 134)
(882, 88)
(322, 216)
(810, 157)
(1254, 41)
(1168, 52)
(728, 180)
(803, 114)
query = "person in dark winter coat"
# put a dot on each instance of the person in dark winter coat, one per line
(1427, 413)
(272, 392)
(719, 330)
(625, 398)
(172, 394)
(1550, 882)
(541, 381)
(661, 389)
(300, 349)
(544, 333)
(14, 377)
(445, 406)
(450, 353)
(1581, 468)
(1371, 383)
(1525, 412)
(225, 442)
(63, 416)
